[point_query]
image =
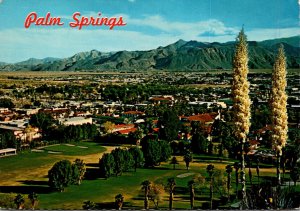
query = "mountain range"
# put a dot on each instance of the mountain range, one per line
(179, 56)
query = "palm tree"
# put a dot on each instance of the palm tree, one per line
(33, 197)
(236, 166)
(210, 170)
(278, 103)
(191, 185)
(146, 185)
(119, 199)
(241, 100)
(228, 171)
(188, 157)
(171, 186)
(174, 161)
(256, 160)
(295, 174)
(19, 201)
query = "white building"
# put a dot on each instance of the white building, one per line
(75, 121)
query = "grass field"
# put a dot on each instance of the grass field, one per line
(29, 173)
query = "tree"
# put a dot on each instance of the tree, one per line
(19, 201)
(210, 170)
(169, 125)
(108, 127)
(6, 103)
(188, 157)
(295, 174)
(138, 157)
(119, 161)
(278, 103)
(228, 171)
(197, 181)
(171, 186)
(81, 169)
(88, 205)
(107, 165)
(174, 161)
(256, 160)
(165, 150)
(146, 186)
(236, 166)
(33, 197)
(199, 143)
(152, 152)
(119, 199)
(43, 121)
(129, 161)
(241, 99)
(156, 194)
(61, 175)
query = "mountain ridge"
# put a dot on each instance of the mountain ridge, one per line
(181, 55)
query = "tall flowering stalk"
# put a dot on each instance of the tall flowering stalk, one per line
(241, 100)
(278, 103)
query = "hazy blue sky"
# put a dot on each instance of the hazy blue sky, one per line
(150, 24)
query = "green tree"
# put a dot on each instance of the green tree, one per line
(119, 161)
(174, 161)
(33, 197)
(43, 121)
(81, 169)
(188, 157)
(146, 186)
(61, 175)
(169, 125)
(165, 151)
(119, 200)
(107, 165)
(171, 186)
(152, 152)
(138, 157)
(199, 143)
(129, 161)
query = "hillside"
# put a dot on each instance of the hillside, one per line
(181, 55)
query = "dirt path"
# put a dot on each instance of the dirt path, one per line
(17, 176)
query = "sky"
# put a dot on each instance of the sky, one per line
(149, 24)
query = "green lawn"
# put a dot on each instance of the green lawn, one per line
(103, 191)
(77, 148)
(26, 159)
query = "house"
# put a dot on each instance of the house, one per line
(75, 121)
(122, 127)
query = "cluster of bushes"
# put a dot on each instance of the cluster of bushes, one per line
(155, 152)
(65, 134)
(8, 140)
(120, 160)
